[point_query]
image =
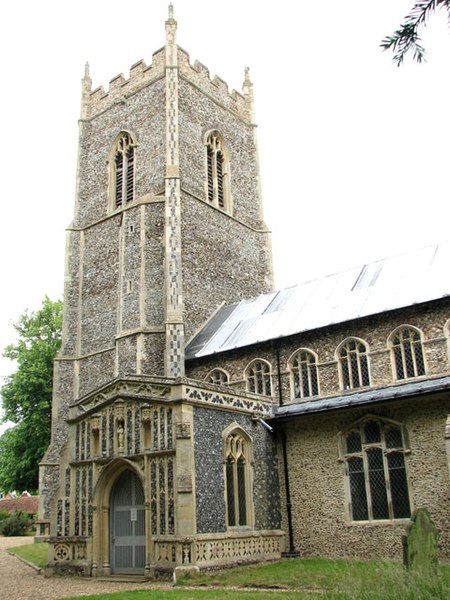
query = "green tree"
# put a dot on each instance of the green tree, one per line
(407, 38)
(27, 396)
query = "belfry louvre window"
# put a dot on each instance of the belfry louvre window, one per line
(374, 455)
(124, 159)
(407, 351)
(305, 380)
(217, 171)
(353, 364)
(237, 479)
(258, 378)
(218, 376)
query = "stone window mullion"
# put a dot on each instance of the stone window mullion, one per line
(380, 462)
(123, 171)
(217, 172)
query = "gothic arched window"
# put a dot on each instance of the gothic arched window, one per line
(237, 454)
(374, 454)
(353, 364)
(258, 378)
(217, 171)
(304, 377)
(407, 353)
(218, 376)
(122, 183)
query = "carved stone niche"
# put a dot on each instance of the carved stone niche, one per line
(146, 420)
(119, 410)
(146, 413)
(120, 435)
(96, 425)
(96, 422)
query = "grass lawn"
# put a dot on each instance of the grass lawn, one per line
(190, 594)
(332, 580)
(34, 553)
(302, 579)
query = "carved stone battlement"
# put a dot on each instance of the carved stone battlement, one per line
(142, 75)
(121, 88)
(216, 87)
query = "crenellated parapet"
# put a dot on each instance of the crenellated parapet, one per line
(141, 75)
(120, 88)
(215, 87)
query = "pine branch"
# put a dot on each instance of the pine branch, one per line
(406, 38)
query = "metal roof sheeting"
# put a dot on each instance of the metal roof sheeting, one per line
(398, 392)
(388, 284)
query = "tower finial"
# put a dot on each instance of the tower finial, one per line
(171, 29)
(247, 88)
(86, 86)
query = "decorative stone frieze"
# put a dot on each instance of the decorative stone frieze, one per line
(220, 549)
(225, 400)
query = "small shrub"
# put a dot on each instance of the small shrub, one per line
(4, 514)
(15, 524)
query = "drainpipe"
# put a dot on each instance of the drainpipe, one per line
(292, 551)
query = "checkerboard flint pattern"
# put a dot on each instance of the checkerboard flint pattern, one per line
(174, 307)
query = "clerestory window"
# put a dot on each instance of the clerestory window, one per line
(374, 454)
(217, 172)
(123, 170)
(353, 364)
(237, 454)
(407, 353)
(304, 377)
(258, 378)
(218, 376)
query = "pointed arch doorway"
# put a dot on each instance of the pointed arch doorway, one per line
(127, 525)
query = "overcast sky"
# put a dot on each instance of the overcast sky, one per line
(354, 151)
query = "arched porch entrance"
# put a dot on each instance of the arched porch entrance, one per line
(120, 540)
(127, 525)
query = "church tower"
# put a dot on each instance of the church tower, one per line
(167, 226)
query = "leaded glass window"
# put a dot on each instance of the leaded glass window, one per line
(374, 454)
(354, 364)
(124, 167)
(258, 378)
(407, 353)
(237, 476)
(304, 377)
(218, 376)
(217, 172)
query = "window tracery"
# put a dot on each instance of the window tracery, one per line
(217, 171)
(123, 170)
(237, 454)
(218, 376)
(374, 454)
(407, 353)
(258, 378)
(304, 375)
(353, 364)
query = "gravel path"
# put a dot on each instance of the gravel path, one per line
(19, 581)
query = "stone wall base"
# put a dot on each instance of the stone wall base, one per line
(171, 555)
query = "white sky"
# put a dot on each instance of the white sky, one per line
(354, 151)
